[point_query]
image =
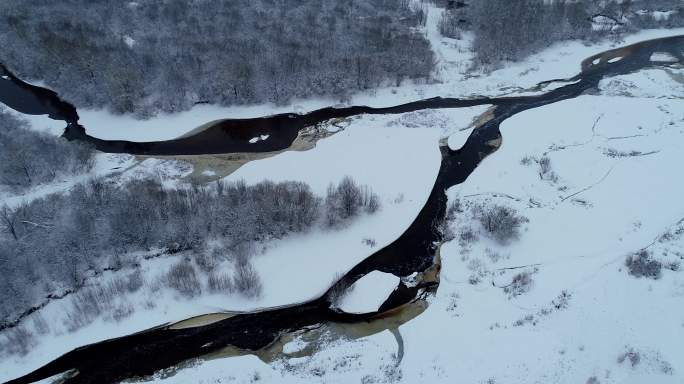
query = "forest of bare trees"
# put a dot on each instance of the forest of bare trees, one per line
(507, 30)
(150, 56)
(52, 243)
(29, 158)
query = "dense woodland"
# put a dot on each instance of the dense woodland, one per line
(151, 56)
(29, 158)
(506, 30)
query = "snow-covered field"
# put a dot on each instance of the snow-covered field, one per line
(382, 152)
(614, 190)
(578, 316)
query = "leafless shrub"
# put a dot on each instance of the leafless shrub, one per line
(593, 380)
(134, 281)
(527, 160)
(447, 232)
(546, 171)
(205, 260)
(121, 311)
(453, 209)
(501, 223)
(18, 340)
(338, 290)
(640, 264)
(246, 281)
(369, 242)
(448, 24)
(468, 236)
(40, 325)
(220, 283)
(346, 200)
(493, 256)
(90, 302)
(243, 252)
(631, 355)
(183, 278)
(521, 283)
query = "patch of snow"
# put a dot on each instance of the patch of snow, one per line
(458, 139)
(615, 59)
(664, 57)
(295, 345)
(208, 172)
(129, 41)
(369, 292)
(662, 15)
(257, 139)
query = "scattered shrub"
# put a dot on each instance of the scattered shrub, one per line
(346, 200)
(546, 171)
(468, 236)
(207, 261)
(640, 264)
(246, 281)
(339, 288)
(500, 222)
(134, 281)
(183, 278)
(631, 355)
(369, 242)
(18, 340)
(40, 324)
(448, 24)
(121, 311)
(527, 160)
(521, 283)
(220, 283)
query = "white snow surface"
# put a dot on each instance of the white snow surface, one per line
(663, 56)
(616, 191)
(369, 292)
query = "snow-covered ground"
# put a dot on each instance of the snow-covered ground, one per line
(382, 152)
(578, 316)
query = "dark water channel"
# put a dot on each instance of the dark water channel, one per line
(144, 353)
